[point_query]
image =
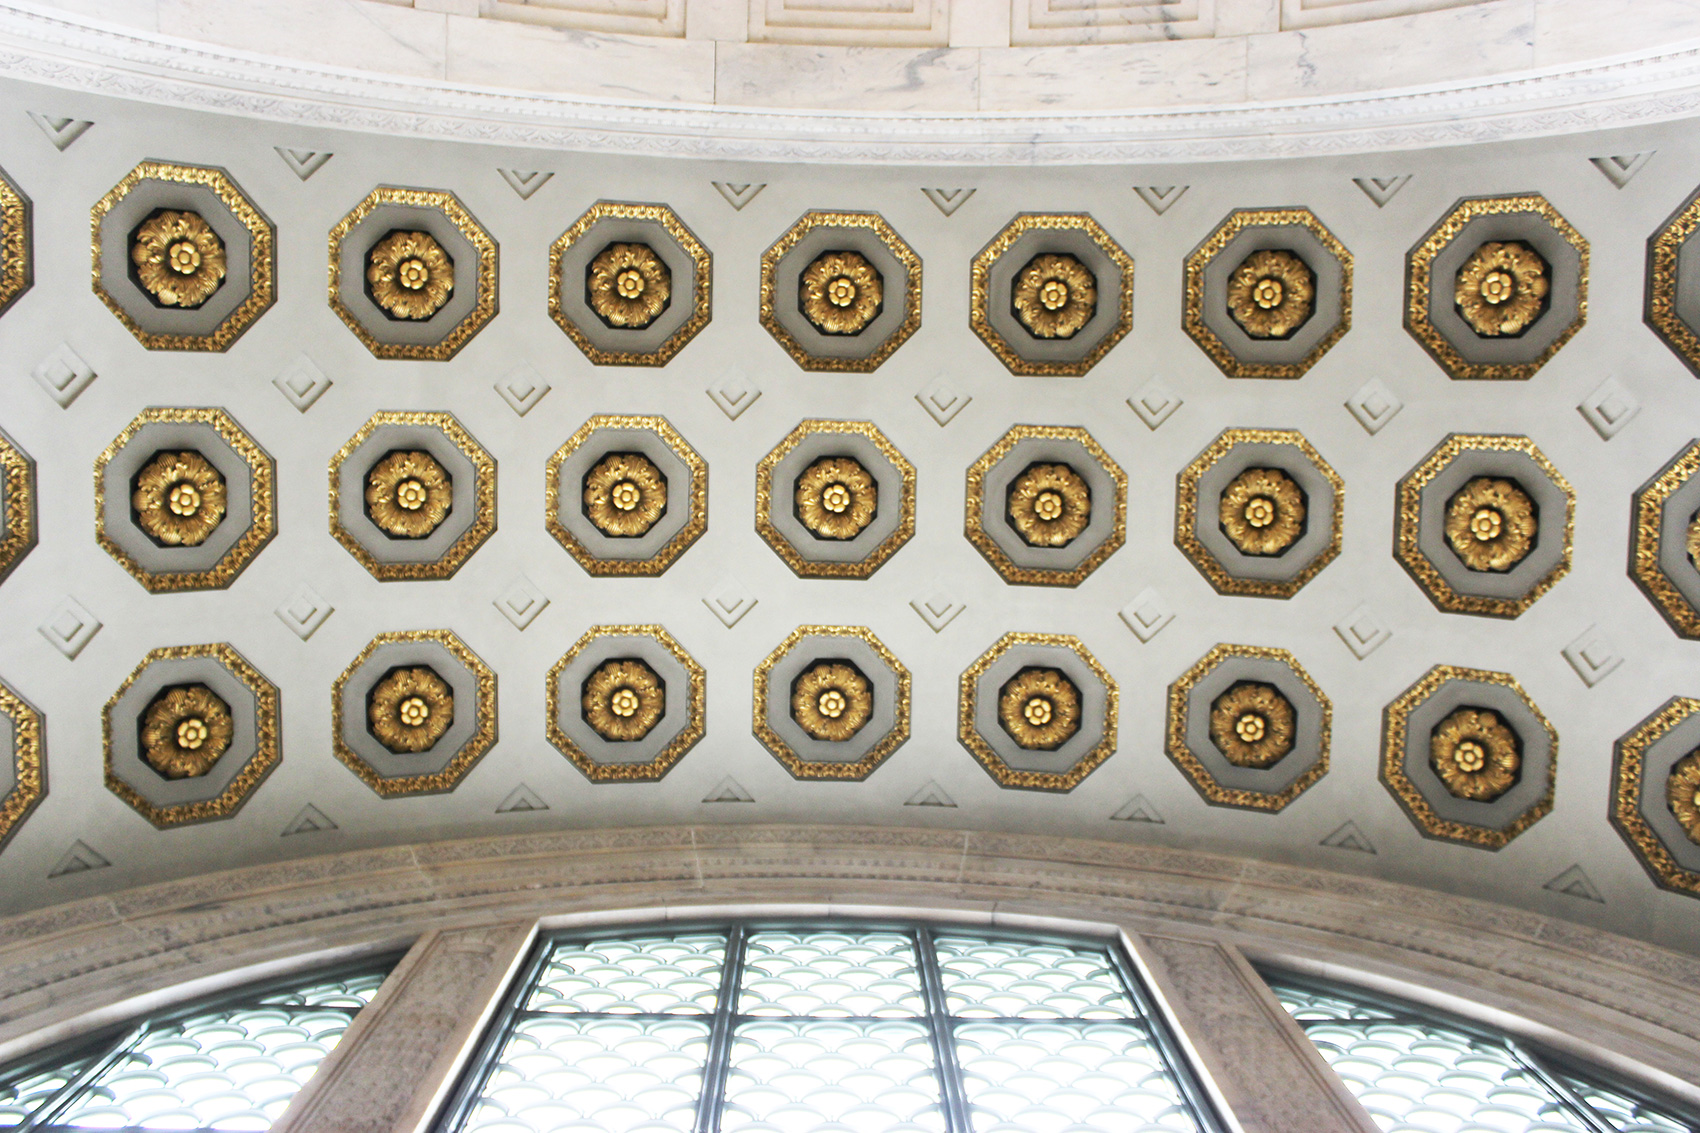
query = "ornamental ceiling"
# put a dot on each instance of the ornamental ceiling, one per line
(362, 491)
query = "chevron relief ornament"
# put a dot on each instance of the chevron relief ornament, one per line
(1381, 189)
(1622, 168)
(521, 800)
(311, 820)
(729, 791)
(1160, 197)
(948, 201)
(303, 162)
(739, 195)
(60, 131)
(937, 610)
(1349, 837)
(931, 794)
(1138, 809)
(525, 183)
(80, 858)
(1574, 883)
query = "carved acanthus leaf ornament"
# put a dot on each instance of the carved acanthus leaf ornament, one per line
(836, 498)
(1475, 753)
(179, 259)
(624, 495)
(841, 293)
(408, 494)
(1039, 708)
(410, 709)
(1502, 288)
(628, 286)
(831, 701)
(409, 275)
(184, 731)
(1054, 296)
(623, 700)
(1262, 511)
(1049, 505)
(1491, 524)
(1682, 791)
(178, 498)
(1252, 725)
(1271, 294)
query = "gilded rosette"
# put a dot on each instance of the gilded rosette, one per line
(410, 709)
(1054, 296)
(1475, 754)
(1502, 288)
(831, 701)
(623, 700)
(628, 286)
(178, 499)
(840, 293)
(1252, 725)
(836, 498)
(1491, 524)
(1271, 294)
(184, 731)
(1049, 505)
(1682, 792)
(1693, 540)
(624, 495)
(179, 259)
(408, 494)
(1039, 708)
(409, 275)
(1262, 511)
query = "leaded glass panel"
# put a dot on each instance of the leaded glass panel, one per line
(993, 979)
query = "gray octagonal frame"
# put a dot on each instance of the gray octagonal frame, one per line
(351, 494)
(675, 715)
(994, 510)
(1551, 504)
(1563, 295)
(1327, 310)
(575, 266)
(894, 277)
(176, 436)
(1534, 778)
(782, 481)
(1107, 277)
(1307, 725)
(1319, 511)
(882, 683)
(1093, 699)
(368, 231)
(148, 196)
(570, 487)
(126, 714)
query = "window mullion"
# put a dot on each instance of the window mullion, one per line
(952, 1095)
(1565, 1094)
(714, 1068)
(69, 1091)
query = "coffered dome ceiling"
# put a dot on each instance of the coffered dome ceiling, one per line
(365, 487)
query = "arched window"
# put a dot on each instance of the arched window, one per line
(1419, 1072)
(228, 1065)
(806, 1027)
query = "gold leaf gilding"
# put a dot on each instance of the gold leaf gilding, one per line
(832, 701)
(1039, 708)
(1491, 524)
(1682, 792)
(410, 709)
(178, 499)
(841, 293)
(179, 259)
(836, 498)
(624, 495)
(409, 275)
(184, 731)
(408, 494)
(1252, 725)
(1049, 505)
(623, 700)
(1502, 288)
(1271, 294)
(1476, 754)
(1262, 511)
(1054, 296)
(628, 286)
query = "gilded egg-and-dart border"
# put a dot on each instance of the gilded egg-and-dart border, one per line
(651, 770)
(819, 769)
(1629, 758)
(893, 243)
(29, 764)
(765, 502)
(695, 499)
(1647, 535)
(1664, 248)
(19, 534)
(262, 503)
(17, 254)
(700, 298)
(449, 206)
(262, 255)
(1002, 773)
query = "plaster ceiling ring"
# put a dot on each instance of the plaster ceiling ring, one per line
(1433, 317)
(17, 247)
(1640, 811)
(1409, 724)
(1421, 540)
(673, 732)
(248, 239)
(1031, 450)
(439, 214)
(993, 285)
(440, 767)
(1285, 234)
(23, 761)
(1673, 282)
(682, 470)
(1061, 767)
(471, 518)
(1659, 560)
(250, 481)
(657, 229)
(881, 675)
(816, 236)
(1213, 772)
(1199, 491)
(19, 529)
(808, 554)
(253, 752)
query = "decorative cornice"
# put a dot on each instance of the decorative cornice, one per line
(47, 47)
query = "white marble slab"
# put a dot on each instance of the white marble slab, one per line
(1569, 31)
(647, 68)
(343, 33)
(1111, 77)
(847, 78)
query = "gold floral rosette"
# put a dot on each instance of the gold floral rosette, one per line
(409, 275)
(184, 731)
(1039, 708)
(178, 499)
(628, 286)
(1049, 505)
(836, 498)
(624, 495)
(1252, 724)
(1271, 294)
(1693, 540)
(1682, 792)
(623, 700)
(179, 259)
(410, 709)
(831, 701)
(1054, 296)
(1502, 288)
(1491, 524)
(841, 293)
(408, 494)
(1476, 754)
(1262, 511)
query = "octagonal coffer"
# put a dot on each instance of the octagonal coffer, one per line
(18, 507)
(626, 703)
(831, 702)
(840, 291)
(626, 496)
(1665, 534)
(835, 499)
(629, 284)
(1046, 506)
(1655, 802)
(1673, 295)
(1038, 711)
(23, 761)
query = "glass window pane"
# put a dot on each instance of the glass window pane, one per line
(990, 979)
(22, 1095)
(558, 1072)
(1063, 1078)
(847, 1077)
(353, 992)
(1624, 1113)
(653, 975)
(828, 974)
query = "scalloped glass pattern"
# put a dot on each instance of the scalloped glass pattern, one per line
(834, 974)
(1002, 979)
(233, 1067)
(796, 1077)
(655, 975)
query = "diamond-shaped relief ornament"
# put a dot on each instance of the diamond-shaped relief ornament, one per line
(525, 182)
(522, 389)
(1592, 656)
(1374, 405)
(1609, 408)
(1155, 403)
(521, 602)
(733, 393)
(1362, 631)
(730, 601)
(63, 375)
(304, 612)
(1160, 197)
(1147, 614)
(1138, 809)
(80, 858)
(302, 383)
(937, 610)
(942, 401)
(70, 627)
(60, 131)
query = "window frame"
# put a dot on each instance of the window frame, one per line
(487, 1050)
